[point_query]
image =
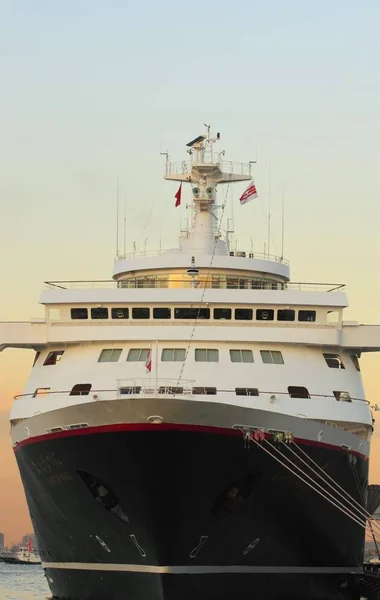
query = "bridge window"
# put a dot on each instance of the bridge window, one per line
(264, 314)
(173, 354)
(285, 314)
(355, 360)
(243, 314)
(53, 357)
(272, 357)
(79, 313)
(222, 313)
(192, 313)
(137, 354)
(140, 313)
(206, 355)
(81, 389)
(342, 396)
(297, 391)
(246, 391)
(43, 391)
(99, 312)
(241, 356)
(307, 315)
(334, 361)
(110, 355)
(208, 391)
(162, 313)
(120, 313)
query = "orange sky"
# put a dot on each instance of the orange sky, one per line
(14, 518)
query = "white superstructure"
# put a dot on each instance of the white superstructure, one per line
(220, 326)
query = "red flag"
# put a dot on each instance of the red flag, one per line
(178, 196)
(148, 362)
(249, 194)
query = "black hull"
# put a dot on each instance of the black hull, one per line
(173, 525)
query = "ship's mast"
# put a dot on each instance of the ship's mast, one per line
(204, 171)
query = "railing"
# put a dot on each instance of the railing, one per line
(212, 282)
(178, 252)
(225, 166)
(151, 387)
(155, 386)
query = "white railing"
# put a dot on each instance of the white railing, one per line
(235, 282)
(152, 386)
(225, 166)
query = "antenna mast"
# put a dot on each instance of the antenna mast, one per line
(117, 218)
(282, 225)
(269, 203)
(125, 225)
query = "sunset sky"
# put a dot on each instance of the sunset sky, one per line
(93, 91)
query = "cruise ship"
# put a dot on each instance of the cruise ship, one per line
(196, 427)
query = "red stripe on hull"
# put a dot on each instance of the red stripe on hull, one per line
(116, 427)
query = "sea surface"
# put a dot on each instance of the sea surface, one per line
(23, 582)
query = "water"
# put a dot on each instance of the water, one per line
(23, 582)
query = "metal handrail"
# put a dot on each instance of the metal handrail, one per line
(178, 252)
(219, 391)
(152, 282)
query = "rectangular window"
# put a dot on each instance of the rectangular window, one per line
(99, 313)
(170, 389)
(246, 391)
(173, 354)
(137, 354)
(232, 283)
(297, 391)
(162, 313)
(130, 390)
(243, 314)
(208, 391)
(120, 313)
(192, 313)
(334, 361)
(41, 392)
(272, 357)
(241, 356)
(217, 281)
(285, 314)
(140, 313)
(79, 313)
(342, 396)
(81, 389)
(355, 361)
(53, 357)
(206, 355)
(307, 315)
(222, 313)
(264, 314)
(110, 355)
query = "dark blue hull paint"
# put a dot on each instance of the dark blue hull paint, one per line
(187, 499)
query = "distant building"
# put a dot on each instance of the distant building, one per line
(27, 537)
(1, 540)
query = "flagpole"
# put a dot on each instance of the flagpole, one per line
(156, 364)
